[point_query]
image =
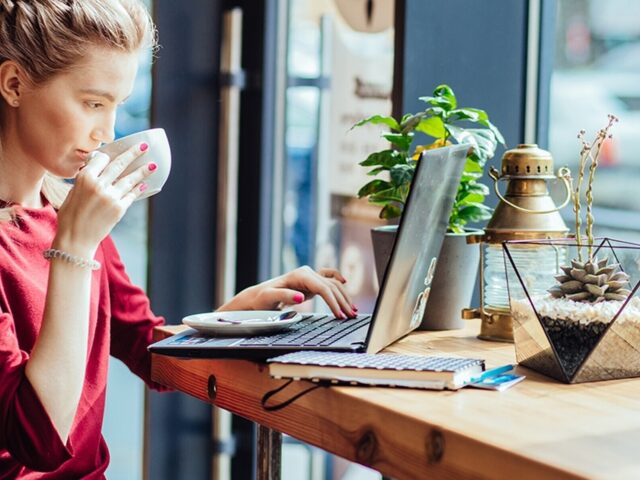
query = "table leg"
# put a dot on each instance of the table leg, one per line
(269, 454)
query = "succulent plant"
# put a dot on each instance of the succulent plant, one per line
(592, 281)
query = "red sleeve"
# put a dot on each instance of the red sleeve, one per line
(26, 430)
(132, 321)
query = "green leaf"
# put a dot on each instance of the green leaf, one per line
(383, 157)
(494, 130)
(461, 135)
(435, 111)
(436, 102)
(482, 115)
(469, 176)
(469, 198)
(474, 115)
(456, 224)
(376, 171)
(477, 116)
(443, 103)
(479, 188)
(374, 186)
(390, 211)
(445, 91)
(465, 114)
(386, 196)
(403, 191)
(432, 126)
(482, 139)
(455, 227)
(401, 140)
(410, 123)
(427, 99)
(472, 165)
(390, 122)
(486, 140)
(475, 212)
(443, 97)
(401, 175)
(475, 158)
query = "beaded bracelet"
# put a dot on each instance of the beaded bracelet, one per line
(52, 253)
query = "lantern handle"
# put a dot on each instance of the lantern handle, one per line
(564, 174)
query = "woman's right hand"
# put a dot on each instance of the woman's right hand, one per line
(98, 200)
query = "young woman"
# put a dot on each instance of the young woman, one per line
(66, 302)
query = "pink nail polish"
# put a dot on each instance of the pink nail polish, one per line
(143, 187)
(298, 298)
(144, 147)
(152, 166)
(355, 309)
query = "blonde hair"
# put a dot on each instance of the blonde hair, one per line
(48, 37)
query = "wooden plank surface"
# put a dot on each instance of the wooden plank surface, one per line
(538, 429)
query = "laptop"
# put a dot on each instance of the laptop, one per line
(403, 293)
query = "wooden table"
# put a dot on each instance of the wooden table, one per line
(539, 429)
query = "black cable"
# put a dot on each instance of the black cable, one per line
(279, 406)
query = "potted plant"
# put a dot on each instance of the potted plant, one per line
(441, 123)
(586, 327)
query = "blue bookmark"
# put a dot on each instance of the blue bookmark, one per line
(492, 373)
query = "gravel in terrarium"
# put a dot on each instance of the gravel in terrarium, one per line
(574, 328)
(572, 341)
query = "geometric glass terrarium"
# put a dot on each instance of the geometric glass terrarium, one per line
(591, 330)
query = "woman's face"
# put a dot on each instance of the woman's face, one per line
(61, 120)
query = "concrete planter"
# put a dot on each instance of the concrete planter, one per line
(453, 283)
(383, 239)
(454, 279)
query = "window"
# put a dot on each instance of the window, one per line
(340, 70)
(596, 72)
(323, 224)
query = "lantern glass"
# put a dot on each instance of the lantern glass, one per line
(542, 263)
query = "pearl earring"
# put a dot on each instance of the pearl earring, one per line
(16, 103)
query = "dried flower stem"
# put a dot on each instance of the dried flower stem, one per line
(591, 152)
(589, 195)
(584, 153)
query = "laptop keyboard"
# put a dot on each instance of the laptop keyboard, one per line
(312, 331)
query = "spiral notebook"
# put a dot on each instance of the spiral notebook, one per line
(429, 372)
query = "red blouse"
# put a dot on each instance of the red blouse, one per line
(120, 324)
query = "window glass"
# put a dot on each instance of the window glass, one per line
(339, 70)
(124, 418)
(597, 72)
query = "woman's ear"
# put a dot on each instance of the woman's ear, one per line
(12, 82)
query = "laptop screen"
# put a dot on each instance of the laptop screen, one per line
(407, 280)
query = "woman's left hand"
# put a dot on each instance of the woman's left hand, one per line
(294, 288)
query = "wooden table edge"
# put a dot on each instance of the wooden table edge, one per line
(427, 449)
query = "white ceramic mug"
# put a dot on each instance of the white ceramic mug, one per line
(159, 153)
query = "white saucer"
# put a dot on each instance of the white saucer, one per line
(249, 322)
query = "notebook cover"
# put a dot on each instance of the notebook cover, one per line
(377, 369)
(381, 361)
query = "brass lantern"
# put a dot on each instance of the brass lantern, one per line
(525, 211)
